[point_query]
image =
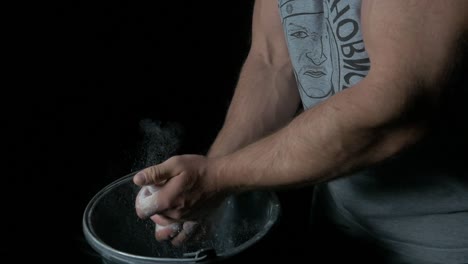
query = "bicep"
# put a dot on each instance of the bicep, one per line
(415, 39)
(268, 40)
(412, 45)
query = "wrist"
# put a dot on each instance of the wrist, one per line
(217, 176)
(214, 153)
(220, 150)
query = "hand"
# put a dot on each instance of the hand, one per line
(165, 229)
(175, 191)
(178, 188)
(177, 232)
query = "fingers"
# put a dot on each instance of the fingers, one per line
(152, 175)
(161, 220)
(168, 229)
(146, 202)
(186, 233)
(157, 174)
(165, 229)
(149, 200)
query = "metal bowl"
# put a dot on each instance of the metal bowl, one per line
(112, 228)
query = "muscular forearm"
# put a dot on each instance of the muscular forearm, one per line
(340, 135)
(258, 106)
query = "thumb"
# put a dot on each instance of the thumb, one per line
(155, 174)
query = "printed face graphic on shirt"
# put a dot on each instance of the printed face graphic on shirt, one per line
(325, 46)
(312, 58)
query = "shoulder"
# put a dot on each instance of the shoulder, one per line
(415, 39)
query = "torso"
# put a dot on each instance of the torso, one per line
(411, 198)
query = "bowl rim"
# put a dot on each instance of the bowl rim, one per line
(107, 251)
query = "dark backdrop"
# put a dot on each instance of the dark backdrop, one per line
(90, 71)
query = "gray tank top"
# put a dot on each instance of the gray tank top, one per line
(419, 198)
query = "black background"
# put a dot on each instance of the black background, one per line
(89, 72)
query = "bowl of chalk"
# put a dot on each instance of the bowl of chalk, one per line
(113, 229)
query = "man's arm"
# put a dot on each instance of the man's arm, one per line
(412, 46)
(258, 106)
